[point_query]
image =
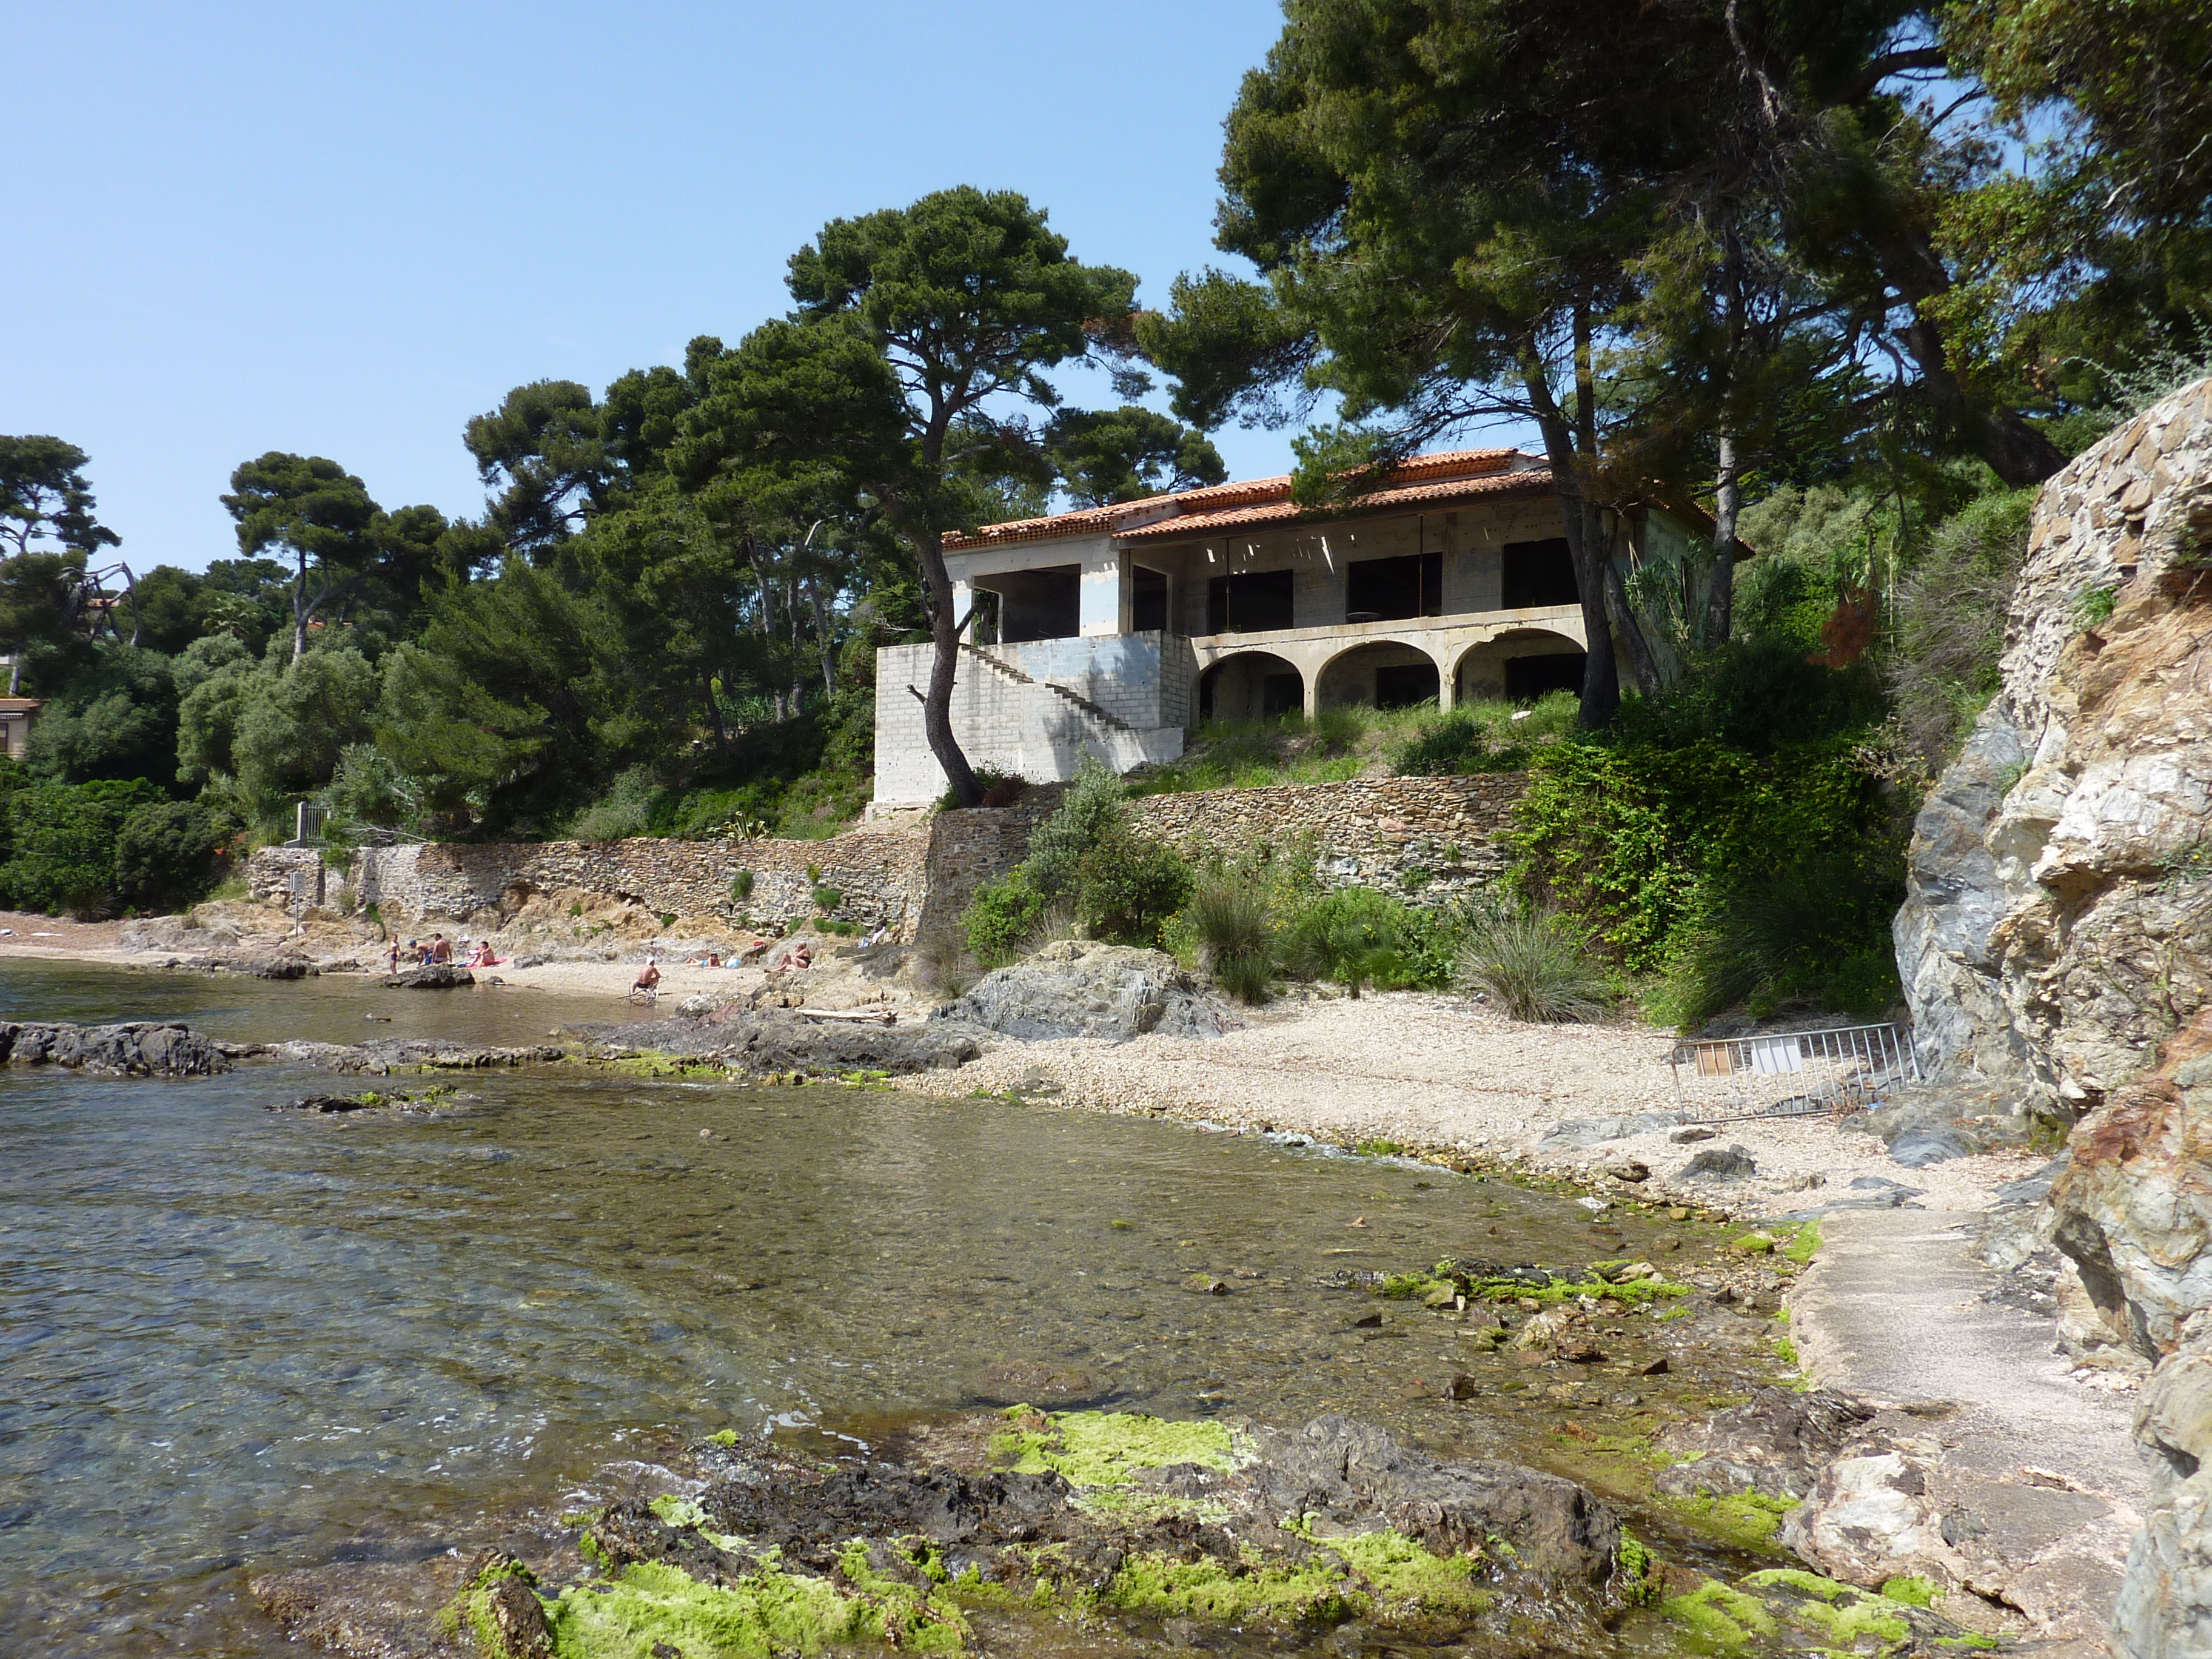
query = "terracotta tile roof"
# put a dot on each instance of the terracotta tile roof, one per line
(1533, 481)
(1443, 476)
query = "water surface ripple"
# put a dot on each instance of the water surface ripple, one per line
(232, 1337)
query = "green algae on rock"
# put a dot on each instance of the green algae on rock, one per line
(1106, 1449)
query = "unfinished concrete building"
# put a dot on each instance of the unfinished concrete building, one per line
(1114, 630)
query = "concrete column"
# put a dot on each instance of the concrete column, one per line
(1105, 594)
(1445, 689)
(964, 601)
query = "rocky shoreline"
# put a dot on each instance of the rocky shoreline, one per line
(1022, 1530)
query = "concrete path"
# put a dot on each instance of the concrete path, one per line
(2035, 1475)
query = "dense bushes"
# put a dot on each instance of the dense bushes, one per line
(1084, 862)
(91, 849)
(1684, 862)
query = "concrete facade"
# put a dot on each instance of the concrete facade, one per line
(1113, 631)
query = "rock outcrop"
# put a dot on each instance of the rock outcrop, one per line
(2056, 947)
(2058, 888)
(133, 1049)
(1080, 988)
(1333, 1538)
(774, 1040)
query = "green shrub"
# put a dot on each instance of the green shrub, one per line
(171, 853)
(1002, 916)
(1456, 745)
(1084, 859)
(61, 843)
(626, 810)
(1642, 842)
(741, 886)
(1817, 928)
(827, 899)
(1229, 917)
(1756, 695)
(1536, 965)
(1948, 625)
(1355, 937)
(1092, 803)
(1127, 886)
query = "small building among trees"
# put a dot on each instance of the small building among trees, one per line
(1113, 630)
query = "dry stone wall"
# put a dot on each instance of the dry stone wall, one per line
(1425, 839)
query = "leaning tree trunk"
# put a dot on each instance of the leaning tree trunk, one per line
(944, 668)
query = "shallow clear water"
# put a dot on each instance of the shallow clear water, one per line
(230, 1338)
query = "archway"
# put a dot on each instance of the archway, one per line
(1382, 674)
(1251, 685)
(1519, 666)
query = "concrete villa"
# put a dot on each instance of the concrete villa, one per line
(1113, 630)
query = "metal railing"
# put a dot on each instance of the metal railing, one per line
(1836, 1069)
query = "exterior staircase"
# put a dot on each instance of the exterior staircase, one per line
(1074, 699)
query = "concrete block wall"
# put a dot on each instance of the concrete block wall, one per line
(1011, 726)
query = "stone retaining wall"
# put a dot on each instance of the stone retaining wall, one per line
(1422, 837)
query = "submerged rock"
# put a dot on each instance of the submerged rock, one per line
(775, 1041)
(134, 1048)
(1080, 988)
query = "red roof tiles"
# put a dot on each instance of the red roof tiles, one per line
(1448, 475)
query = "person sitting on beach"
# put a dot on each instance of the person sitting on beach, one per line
(481, 957)
(797, 959)
(648, 978)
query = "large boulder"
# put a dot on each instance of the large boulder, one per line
(132, 1048)
(1080, 987)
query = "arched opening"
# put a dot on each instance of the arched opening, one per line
(1520, 667)
(1252, 686)
(1386, 674)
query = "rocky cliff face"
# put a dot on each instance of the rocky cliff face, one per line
(2060, 878)
(2056, 944)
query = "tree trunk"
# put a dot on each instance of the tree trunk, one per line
(1600, 696)
(714, 707)
(1720, 587)
(299, 610)
(944, 667)
(821, 639)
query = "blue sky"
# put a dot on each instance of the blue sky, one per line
(343, 229)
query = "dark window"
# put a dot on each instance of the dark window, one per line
(1528, 678)
(1281, 694)
(1404, 685)
(1540, 574)
(1393, 590)
(1148, 601)
(1040, 604)
(1250, 604)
